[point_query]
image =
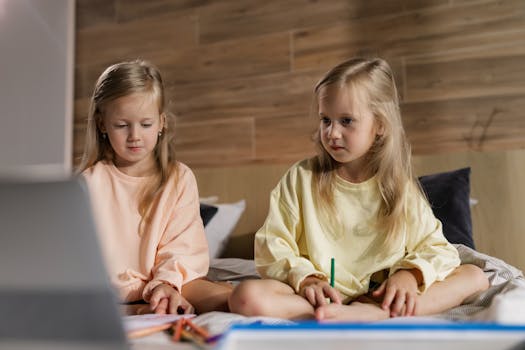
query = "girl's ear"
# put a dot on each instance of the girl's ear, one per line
(380, 129)
(162, 121)
(100, 123)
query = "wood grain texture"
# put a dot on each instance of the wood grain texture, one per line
(90, 13)
(118, 41)
(128, 10)
(458, 66)
(240, 58)
(259, 96)
(221, 20)
(478, 124)
(291, 134)
(414, 33)
(474, 77)
(217, 142)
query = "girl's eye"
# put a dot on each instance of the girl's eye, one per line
(325, 120)
(346, 121)
(120, 126)
(147, 125)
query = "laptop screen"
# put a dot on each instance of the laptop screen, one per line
(53, 283)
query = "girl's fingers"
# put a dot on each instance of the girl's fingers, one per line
(332, 294)
(162, 307)
(157, 295)
(387, 300)
(320, 297)
(174, 303)
(399, 302)
(309, 293)
(185, 307)
(410, 305)
(154, 300)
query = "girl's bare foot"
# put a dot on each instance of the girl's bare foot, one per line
(354, 312)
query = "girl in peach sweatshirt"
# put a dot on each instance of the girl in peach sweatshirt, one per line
(146, 203)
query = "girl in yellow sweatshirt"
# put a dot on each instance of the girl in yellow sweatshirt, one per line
(357, 202)
(145, 202)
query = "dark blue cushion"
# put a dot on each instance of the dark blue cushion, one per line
(207, 212)
(449, 197)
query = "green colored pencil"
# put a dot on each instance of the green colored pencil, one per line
(332, 272)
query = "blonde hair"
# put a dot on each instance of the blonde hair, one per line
(389, 158)
(119, 80)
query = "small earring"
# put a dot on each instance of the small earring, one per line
(160, 133)
(104, 135)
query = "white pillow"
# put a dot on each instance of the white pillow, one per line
(222, 224)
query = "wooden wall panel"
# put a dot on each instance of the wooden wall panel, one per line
(221, 20)
(256, 96)
(119, 41)
(242, 58)
(290, 134)
(129, 10)
(215, 142)
(458, 66)
(419, 33)
(478, 124)
(474, 77)
(94, 13)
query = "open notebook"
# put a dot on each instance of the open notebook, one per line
(54, 290)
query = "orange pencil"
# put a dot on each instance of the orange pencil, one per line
(199, 330)
(177, 329)
(147, 331)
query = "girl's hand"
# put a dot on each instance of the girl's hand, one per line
(399, 292)
(316, 291)
(167, 300)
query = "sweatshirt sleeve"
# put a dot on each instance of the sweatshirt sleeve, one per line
(427, 249)
(277, 254)
(182, 253)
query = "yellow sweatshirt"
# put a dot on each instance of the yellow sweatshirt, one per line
(296, 240)
(172, 250)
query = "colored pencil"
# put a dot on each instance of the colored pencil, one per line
(199, 330)
(177, 329)
(147, 331)
(332, 272)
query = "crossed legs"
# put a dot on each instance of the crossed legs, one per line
(276, 299)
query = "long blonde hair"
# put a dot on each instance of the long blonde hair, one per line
(120, 80)
(389, 157)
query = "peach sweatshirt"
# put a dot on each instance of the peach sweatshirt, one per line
(172, 250)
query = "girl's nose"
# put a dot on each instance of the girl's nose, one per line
(133, 133)
(334, 132)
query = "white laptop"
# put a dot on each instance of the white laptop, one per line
(54, 290)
